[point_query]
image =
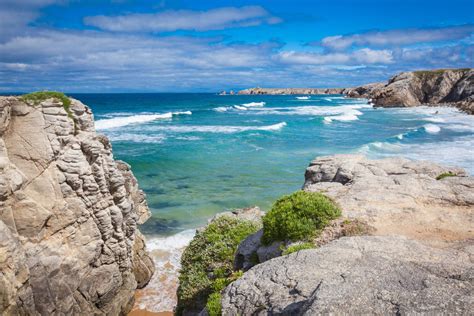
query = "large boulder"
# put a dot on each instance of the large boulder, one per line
(367, 275)
(69, 242)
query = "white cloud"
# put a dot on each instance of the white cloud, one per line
(361, 56)
(398, 37)
(172, 20)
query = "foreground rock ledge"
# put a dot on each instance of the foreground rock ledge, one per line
(69, 242)
(368, 275)
(421, 260)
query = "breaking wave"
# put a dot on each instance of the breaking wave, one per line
(134, 119)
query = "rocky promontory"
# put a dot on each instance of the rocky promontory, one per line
(452, 87)
(69, 242)
(402, 242)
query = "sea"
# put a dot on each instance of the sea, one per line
(198, 154)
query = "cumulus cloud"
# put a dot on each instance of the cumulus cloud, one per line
(399, 37)
(173, 20)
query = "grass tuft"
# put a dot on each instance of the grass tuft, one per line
(40, 96)
(297, 217)
(297, 247)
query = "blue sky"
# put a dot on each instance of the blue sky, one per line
(157, 46)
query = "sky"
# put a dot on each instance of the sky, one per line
(208, 46)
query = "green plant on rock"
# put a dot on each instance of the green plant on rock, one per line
(207, 263)
(297, 247)
(213, 305)
(299, 216)
(445, 175)
(40, 96)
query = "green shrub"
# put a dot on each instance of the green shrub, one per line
(40, 96)
(299, 216)
(213, 306)
(297, 247)
(445, 175)
(207, 263)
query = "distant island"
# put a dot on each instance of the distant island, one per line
(452, 87)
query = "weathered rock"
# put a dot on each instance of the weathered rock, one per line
(435, 87)
(358, 275)
(398, 196)
(68, 215)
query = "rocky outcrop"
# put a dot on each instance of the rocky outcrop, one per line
(419, 261)
(369, 275)
(69, 242)
(453, 87)
(398, 196)
(450, 86)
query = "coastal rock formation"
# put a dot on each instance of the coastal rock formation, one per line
(369, 275)
(419, 261)
(69, 242)
(398, 196)
(448, 86)
(454, 87)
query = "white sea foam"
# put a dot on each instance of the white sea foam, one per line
(134, 119)
(224, 129)
(223, 108)
(456, 152)
(166, 252)
(304, 98)
(432, 128)
(136, 138)
(240, 107)
(253, 104)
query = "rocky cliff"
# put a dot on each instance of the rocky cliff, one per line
(69, 242)
(454, 87)
(446, 86)
(418, 258)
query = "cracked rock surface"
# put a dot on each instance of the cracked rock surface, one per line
(69, 242)
(367, 275)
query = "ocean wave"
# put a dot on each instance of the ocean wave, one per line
(134, 119)
(224, 129)
(456, 152)
(253, 104)
(303, 98)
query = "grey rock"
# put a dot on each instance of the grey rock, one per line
(368, 275)
(398, 196)
(69, 242)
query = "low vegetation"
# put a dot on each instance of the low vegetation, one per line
(40, 96)
(431, 73)
(297, 247)
(445, 175)
(207, 264)
(298, 217)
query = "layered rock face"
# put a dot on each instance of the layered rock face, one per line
(428, 87)
(69, 242)
(420, 260)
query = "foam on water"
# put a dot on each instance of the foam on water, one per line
(134, 119)
(304, 98)
(458, 152)
(160, 293)
(253, 104)
(224, 129)
(432, 128)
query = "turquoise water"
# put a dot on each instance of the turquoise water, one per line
(199, 154)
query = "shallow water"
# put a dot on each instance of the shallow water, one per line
(199, 154)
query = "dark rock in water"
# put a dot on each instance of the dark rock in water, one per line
(360, 276)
